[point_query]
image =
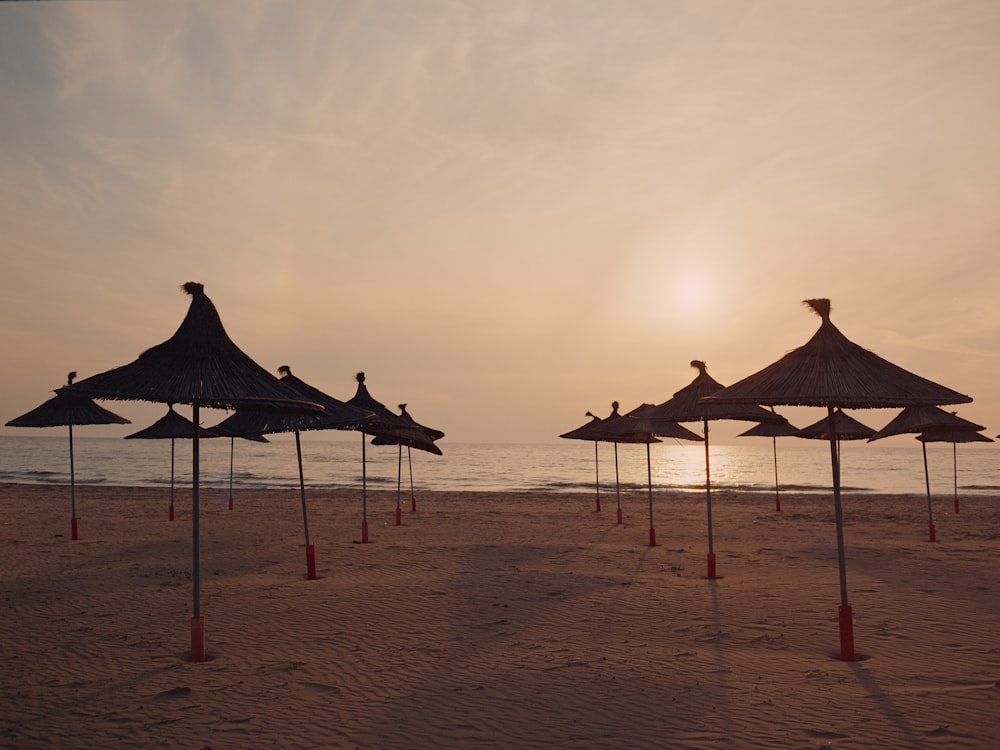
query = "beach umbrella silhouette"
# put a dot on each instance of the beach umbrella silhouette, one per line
(588, 432)
(170, 427)
(963, 436)
(65, 410)
(391, 427)
(201, 366)
(773, 431)
(926, 420)
(830, 371)
(686, 405)
(633, 427)
(336, 416)
(845, 427)
(401, 439)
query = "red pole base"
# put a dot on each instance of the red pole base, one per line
(399, 516)
(413, 505)
(598, 505)
(956, 505)
(711, 566)
(652, 537)
(777, 504)
(846, 633)
(171, 512)
(619, 515)
(311, 562)
(364, 532)
(198, 638)
(931, 533)
(76, 529)
(230, 503)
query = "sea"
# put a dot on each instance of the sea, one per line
(755, 465)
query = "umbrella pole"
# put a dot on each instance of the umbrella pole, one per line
(954, 469)
(649, 484)
(74, 527)
(597, 479)
(844, 613)
(413, 498)
(399, 486)
(310, 548)
(931, 536)
(232, 451)
(777, 494)
(364, 492)
(708, 507)
(197, 620)
(618, 490)
(172, 441)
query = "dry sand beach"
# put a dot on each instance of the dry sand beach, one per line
(496, 621)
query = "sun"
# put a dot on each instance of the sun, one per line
(691, 292)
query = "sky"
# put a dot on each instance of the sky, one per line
(505, 213)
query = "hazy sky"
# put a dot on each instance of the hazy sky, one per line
(505, 213)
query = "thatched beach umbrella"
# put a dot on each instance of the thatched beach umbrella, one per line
(170, 427)
(336, 416)
(199, 365)
(926, 420)
(404, 438)
(388, 425)
(845, 427)
(588, 432)
(65, 410)
(773, 431)
(686, 406)
(830, 371)
(963, 436)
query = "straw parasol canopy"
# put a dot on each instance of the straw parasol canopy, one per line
(687, 405)
(404, 437)
(845, 427)
(927, 420)
(773, 431)
(66, 410)
(831, 371)
(199, 365)
(588, 431)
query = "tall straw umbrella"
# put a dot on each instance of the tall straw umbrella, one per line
(201, 366)
(633, 427)
(587, 431)
(830, 371)
(387, 424)
(773, 431)
(170, 427)
(926, 420)
(963, 436)
(67, 410)
(686, 406)
(336, 415)
(401, 439)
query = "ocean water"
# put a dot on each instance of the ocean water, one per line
(565, 466)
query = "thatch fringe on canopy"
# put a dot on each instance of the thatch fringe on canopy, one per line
(830, 370)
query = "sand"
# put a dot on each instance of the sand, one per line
(520, 620)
